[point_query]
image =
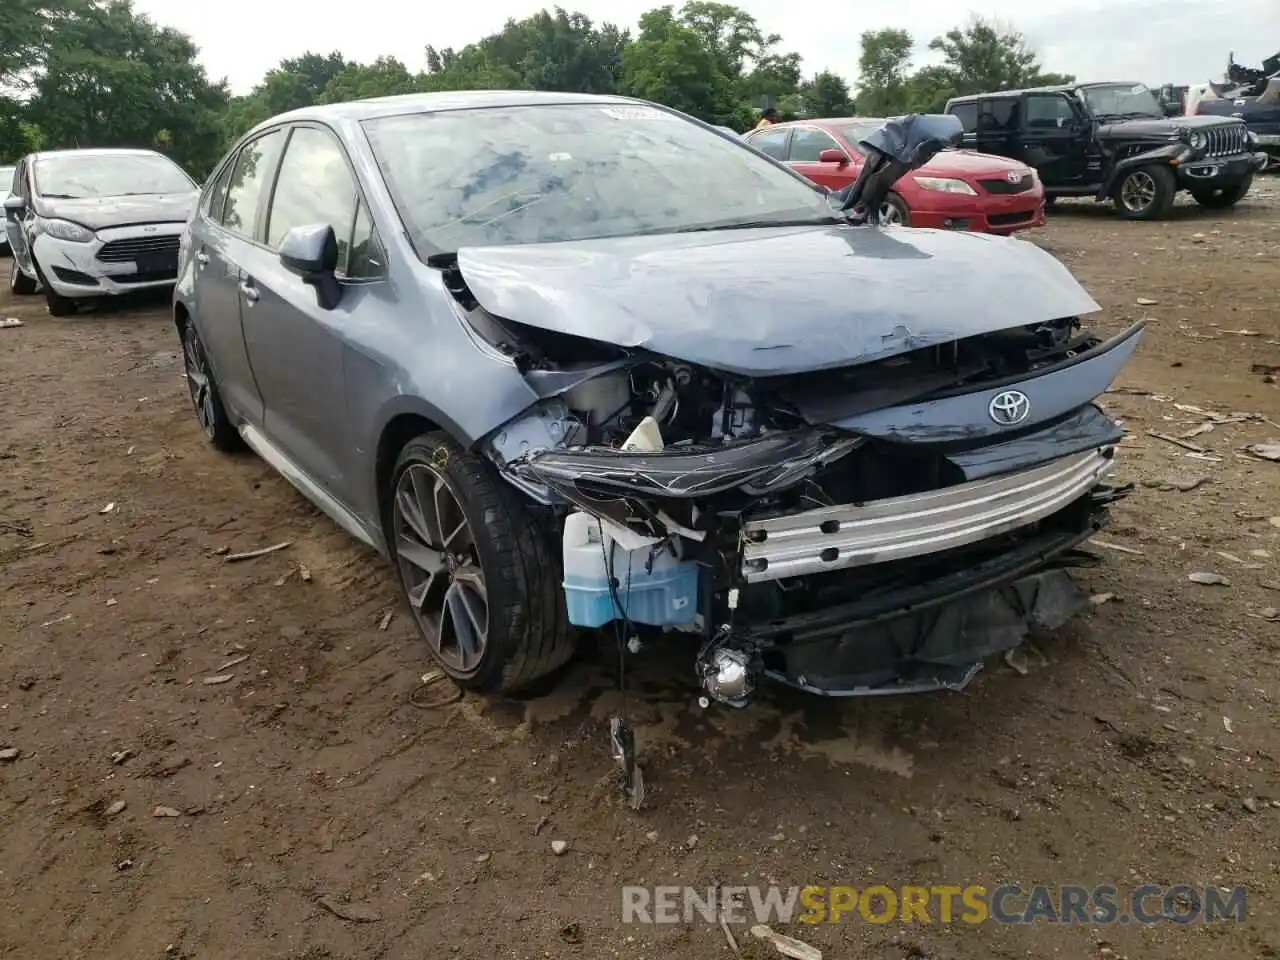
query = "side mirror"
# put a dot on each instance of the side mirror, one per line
(833, 156)
(311, 252)
(1171, 109)
(14, 206)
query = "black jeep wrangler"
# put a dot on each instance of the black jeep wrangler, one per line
(1113, 141)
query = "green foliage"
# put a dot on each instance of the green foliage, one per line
(827, 95)
(979, 57)
(98, 73)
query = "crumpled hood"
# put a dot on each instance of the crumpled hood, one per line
(767, 302)
(103, 212)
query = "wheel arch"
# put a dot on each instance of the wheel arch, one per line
(1158, 155)
(402, 420)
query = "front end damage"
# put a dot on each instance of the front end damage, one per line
(848, 459)
(857, 531)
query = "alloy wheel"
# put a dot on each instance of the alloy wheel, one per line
(440, 568)
(1138, 191)
(198, 382)
(889, 213)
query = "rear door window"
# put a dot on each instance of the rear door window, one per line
(250, 182)
(967, 114)
(772, 143)
(999, 114)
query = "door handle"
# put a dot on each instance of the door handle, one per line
(249, 290)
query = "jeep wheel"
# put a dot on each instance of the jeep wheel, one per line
(20, 285)
(1223, 197)
(1146, 193)
(476, 567)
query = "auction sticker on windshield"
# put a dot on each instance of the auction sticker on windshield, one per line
(637, 113)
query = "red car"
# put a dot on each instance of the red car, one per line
(956, 190)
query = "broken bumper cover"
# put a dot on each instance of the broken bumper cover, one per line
(935, 634)
(836, 538)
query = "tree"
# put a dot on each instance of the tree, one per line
(111, 77)
(547, 51)
(882, 69)
(827, 95)
(385, 77)
(984, 56)
(929, 89)
(730, 33)
(671, 63)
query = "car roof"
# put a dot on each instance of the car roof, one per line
(408, 103)
(1057, 88)
(825, 123)
(97, 152)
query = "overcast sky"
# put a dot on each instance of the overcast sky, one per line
(1153, 41)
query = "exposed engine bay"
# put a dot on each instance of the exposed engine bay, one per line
(850, 495)
(729, 507)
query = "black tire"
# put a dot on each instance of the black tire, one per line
(894, 210)
(1050, 202)
(1145, 193)
(20, 285)
(59, 306)
(526, 631)
(205, 398)
(1223, 197)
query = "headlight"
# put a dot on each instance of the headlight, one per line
(63, 230)
(1196, 140)
(945, 185)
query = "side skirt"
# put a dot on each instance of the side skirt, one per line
(335, 511)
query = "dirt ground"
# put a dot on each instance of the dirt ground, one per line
(322, 808)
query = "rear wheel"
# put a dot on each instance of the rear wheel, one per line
(894, 210)
(205, 398)
(1222, 197)
(476, 567)
(20, 284)
(1146, 193)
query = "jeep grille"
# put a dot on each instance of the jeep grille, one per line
(1226, 140)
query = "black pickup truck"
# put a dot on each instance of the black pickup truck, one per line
(1113, 141)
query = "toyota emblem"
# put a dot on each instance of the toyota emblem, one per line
(1009, 408)
(1014, 176)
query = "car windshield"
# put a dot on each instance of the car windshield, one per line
(533, 174)
(6, 179)
(91, 176)
(1122, 100)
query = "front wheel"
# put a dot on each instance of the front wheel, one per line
(1146, 193)
(20, 285)
(894, 210)
(1222, 197)
(476, 567)
(59, 306)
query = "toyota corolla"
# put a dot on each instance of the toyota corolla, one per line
(573, 362)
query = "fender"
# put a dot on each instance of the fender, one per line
(398, 406)
(1162, 154)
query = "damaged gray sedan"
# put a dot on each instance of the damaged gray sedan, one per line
(583, 362)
